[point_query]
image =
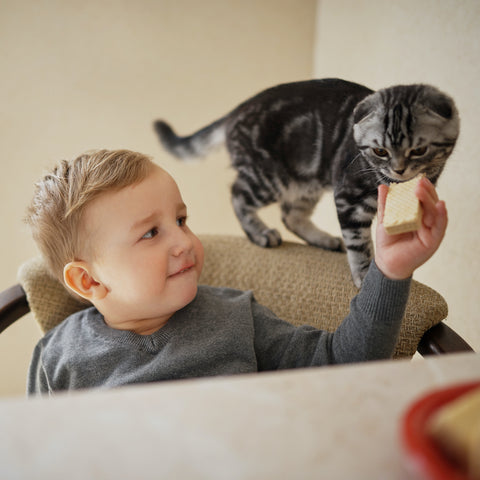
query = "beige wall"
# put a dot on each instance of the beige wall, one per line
(382, 43)
(81, 75)
(91, 74)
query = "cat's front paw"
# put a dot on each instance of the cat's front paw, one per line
(358, 279)
(267, 238)
(358, 268)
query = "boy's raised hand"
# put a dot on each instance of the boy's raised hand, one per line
(397, 256)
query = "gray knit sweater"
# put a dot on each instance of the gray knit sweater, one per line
(221, 332)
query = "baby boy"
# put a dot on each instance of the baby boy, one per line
(112, 227)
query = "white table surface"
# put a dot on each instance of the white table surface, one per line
(323, 423)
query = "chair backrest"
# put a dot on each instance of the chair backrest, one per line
(300, 283)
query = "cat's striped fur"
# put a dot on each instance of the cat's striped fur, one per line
(291, 142)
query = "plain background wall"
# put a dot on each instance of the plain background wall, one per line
(92, 74)
(379, 44)
(96, 73)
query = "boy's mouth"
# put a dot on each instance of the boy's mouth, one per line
(183, 269)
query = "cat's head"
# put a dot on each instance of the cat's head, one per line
(406, 130)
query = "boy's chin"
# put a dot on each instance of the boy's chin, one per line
(189, 294)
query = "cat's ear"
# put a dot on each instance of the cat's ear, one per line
(366, 107)
(438, 103)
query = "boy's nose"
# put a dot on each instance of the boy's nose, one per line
(181, 243)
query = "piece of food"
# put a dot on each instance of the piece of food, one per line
(403, 212)
(455, 428)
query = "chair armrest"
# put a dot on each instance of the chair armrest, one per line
(442, 339)
(13, 305)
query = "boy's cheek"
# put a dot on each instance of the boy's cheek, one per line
(199, 254)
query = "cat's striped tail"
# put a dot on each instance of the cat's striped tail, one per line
(196, 145)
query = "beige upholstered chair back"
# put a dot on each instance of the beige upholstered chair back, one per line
(301, 284)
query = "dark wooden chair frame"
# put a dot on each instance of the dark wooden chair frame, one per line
(439, 339)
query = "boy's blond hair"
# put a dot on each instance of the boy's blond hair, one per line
(61, 196)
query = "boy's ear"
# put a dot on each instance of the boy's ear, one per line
(78, 278)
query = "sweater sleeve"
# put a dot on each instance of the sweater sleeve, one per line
(369, 331)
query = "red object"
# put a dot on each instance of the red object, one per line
(424, 457)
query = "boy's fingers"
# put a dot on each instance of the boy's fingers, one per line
(428, 197)
(435, 231)
(425, 189)
(439, 227)
(382, 196)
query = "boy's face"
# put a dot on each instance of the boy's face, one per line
(145, 255)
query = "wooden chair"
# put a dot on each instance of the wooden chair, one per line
(301, 284)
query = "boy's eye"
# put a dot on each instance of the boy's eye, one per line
(150, 234)
(181, 221)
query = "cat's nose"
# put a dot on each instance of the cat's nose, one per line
(399, 171)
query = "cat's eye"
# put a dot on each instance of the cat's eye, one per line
(418, 152)
(380, 152)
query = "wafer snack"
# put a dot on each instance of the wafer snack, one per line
(403, 212)
(456, 430)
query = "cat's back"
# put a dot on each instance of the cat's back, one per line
(326, 96)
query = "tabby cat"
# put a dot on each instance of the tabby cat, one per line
(291, 142)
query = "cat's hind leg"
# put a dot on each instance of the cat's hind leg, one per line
(247, 198)
(296, 212)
